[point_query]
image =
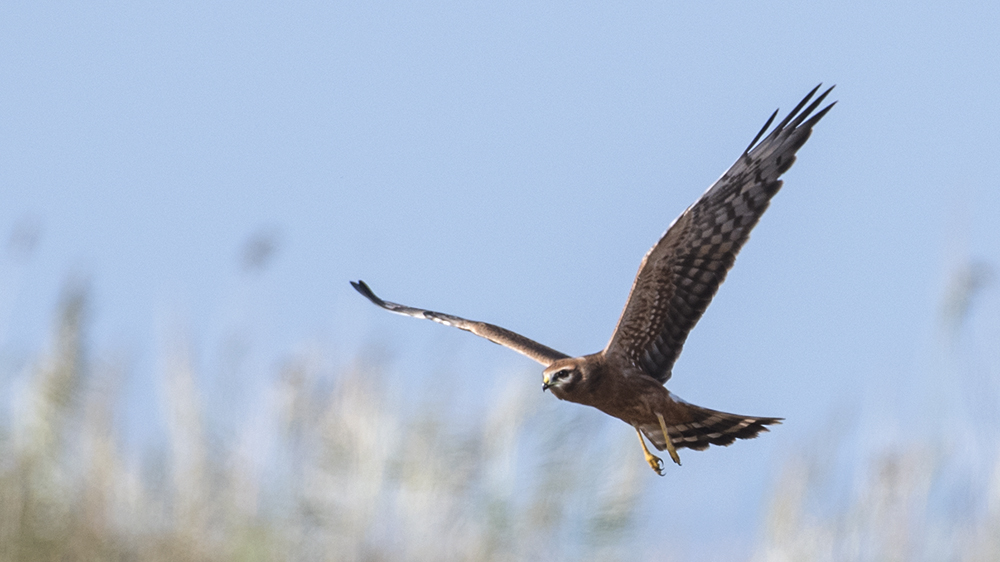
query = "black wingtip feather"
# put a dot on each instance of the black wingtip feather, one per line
(791, 114)
(363, 288)
(795, 117)
(762, 131)
(815, 118)
(812, 107)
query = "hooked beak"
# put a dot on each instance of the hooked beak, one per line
(546, 383)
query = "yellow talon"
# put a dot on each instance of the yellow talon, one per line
(654, 461)
(670, 444)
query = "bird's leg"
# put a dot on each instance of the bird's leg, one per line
(670, 444)
(653, 460)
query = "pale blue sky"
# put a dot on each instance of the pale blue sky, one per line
(509, 162)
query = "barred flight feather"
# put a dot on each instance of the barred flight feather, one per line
(691, 259)
(706, 427)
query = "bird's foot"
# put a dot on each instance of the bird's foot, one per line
(654, 461)
(670, 444)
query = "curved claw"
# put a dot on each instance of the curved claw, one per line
(654, 461)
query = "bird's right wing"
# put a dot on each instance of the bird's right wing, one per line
(681, 273)
(543, 354)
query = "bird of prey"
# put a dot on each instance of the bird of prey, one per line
(676, 281)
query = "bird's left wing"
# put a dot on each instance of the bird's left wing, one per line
(681, 273)
(543, 354)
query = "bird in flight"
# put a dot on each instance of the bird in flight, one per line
(676, 281)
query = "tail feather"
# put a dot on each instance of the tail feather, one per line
(702, 427)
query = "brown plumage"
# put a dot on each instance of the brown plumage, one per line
(675, 284)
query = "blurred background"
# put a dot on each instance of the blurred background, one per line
(186, 189)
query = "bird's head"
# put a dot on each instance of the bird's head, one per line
(566, 377)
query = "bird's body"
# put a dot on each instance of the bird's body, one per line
(629, 394)
(676, 282)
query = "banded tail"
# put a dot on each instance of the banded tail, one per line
(703, 427)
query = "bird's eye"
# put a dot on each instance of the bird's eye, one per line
(563, 374)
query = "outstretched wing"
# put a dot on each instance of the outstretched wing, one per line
(681, 273)
(543, 354)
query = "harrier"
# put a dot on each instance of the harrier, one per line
(676, 281)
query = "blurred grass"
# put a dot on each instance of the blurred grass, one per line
(931, 496)
(353, 473)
